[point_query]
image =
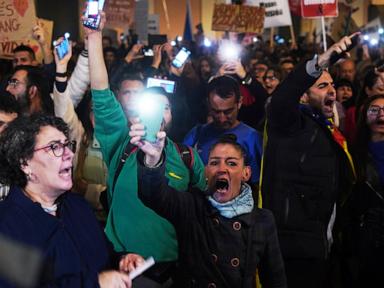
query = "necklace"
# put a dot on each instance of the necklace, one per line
(49, 209)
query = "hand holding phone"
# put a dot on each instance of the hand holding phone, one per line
(92, 14)
(181, 58)
(336, 57)
(139, 270)
(62, 48)
(151, 112)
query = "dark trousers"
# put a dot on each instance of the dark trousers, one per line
(307, 273)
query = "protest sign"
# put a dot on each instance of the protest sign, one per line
(319, 8)
(7, 47)
(276, 12)
(238, 18)
(16, 19)
(120, 14)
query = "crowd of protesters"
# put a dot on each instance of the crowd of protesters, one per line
(268, 168)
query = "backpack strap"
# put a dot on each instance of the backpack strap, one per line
(186, 154)
(129, 149)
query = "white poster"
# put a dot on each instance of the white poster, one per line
(277, 12)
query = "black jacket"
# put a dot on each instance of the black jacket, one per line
(304, 170)
(213, 250)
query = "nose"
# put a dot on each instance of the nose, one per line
(8, 88)
(68, 154)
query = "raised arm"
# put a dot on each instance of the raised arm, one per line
(284, 113)
(62, 103)
(111, 127)
(97, 69)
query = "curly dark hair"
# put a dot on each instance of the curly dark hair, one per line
(17, 144)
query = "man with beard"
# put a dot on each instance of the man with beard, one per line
(307, 171)
(31, 90)
(224, 102)
(131, 226)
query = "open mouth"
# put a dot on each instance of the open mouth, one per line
(329, 103)
(221, 185)
(66, 171)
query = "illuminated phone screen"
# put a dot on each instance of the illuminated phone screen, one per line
(93, 8)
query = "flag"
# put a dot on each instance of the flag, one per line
(188, 32)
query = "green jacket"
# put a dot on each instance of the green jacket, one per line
(131, 226)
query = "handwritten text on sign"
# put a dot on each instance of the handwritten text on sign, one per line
(16, 19)
(120, 13)
(238, 18)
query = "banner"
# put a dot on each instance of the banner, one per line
(120, 14)
(319, 8)
(7, 47)
(276, 12)
(238, 18)
(16, 19)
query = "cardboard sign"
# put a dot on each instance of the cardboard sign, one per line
(7, 47)
(276, 12)
(238, 18)
(319, 8)
(120, 14)
(16, 19)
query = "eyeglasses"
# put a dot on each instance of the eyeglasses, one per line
(58, 148)
(14, 82)
(269, 78)
(374, 110)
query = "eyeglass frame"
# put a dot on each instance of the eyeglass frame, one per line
(68, 144)
(15, 82)
(380, 108)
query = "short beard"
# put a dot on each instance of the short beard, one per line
(24, 102)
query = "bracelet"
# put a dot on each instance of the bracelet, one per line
(246, 80)
(156, 166)
(84, 53)
(58, 74)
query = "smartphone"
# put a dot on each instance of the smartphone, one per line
(168, 85)
(181, 57)
(148, 52)
(336, 57)
(92, 14)
(139, 270)
(62, 49)
(150, 110)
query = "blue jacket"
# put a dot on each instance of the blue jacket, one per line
(73, 245)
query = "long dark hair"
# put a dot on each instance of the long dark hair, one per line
(363, 137)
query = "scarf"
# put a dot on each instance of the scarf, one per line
(242, 204)
(337, 136)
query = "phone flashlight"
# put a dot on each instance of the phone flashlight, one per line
(229, 51)
(150, 111)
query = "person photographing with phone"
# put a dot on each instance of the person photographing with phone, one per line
(131, 226)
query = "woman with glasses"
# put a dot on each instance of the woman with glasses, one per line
(271, 79)
(36, 161)
(365, 228)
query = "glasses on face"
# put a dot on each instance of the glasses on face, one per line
(14, 82)
(58, 148)
(374, 110)
(271, 78)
